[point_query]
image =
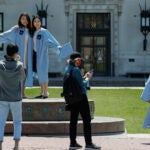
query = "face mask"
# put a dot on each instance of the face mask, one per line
(78, 62)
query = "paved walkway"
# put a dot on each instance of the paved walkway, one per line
(107, 142)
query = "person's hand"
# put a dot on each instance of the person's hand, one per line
(18, 58)
(88, 75)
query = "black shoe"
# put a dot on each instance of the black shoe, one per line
(44, 97)
(92, 146)
(24, 97)
(75, 146)
(40, 96)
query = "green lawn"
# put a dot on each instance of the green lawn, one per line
(122, 103)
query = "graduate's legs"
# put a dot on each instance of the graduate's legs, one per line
(41, 89)
(40, 96)
(23, 91)
(44, 87)
(44, 93)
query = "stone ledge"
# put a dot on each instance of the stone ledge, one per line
(99, 125)
(51, 109)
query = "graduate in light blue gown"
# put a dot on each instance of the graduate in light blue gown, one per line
(21, 36)
(145, 96)
(42, 40)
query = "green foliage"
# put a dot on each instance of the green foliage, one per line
(122, 103)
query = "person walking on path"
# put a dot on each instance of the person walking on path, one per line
(21, 36)
(11, 72)
(81, 107)
(42, 40)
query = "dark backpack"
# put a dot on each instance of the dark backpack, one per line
(72, 92)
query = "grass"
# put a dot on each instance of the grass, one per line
(122, 103)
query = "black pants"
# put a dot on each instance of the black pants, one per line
(34, 61)
(82, 108)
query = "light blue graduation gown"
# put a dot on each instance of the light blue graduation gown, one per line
(16, 35)
(44, 41)
(145, 96)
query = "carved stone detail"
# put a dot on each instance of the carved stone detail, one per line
(89, 3)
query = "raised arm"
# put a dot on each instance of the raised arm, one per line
(9, 36)
(50, 40)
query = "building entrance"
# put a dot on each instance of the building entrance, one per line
(93, 41)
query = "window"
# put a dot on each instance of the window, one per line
(1, 29)
(93, 21)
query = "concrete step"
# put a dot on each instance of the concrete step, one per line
(51, 109)
(99, 125)
(48, 116)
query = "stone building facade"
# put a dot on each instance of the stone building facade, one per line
(106, 32)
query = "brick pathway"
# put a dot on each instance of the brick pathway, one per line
(107, 142)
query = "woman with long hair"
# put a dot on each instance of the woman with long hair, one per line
(21, 36)
(42, 41)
